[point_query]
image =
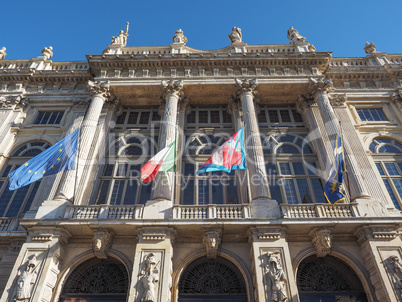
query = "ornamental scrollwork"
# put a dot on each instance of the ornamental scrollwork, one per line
(320, 85)
(304, 102)
(246, 86)
(149, 278)
(338, 100)
(276, 277)
(99, 88)
(172, 88)
(26, 279)
(12, 102)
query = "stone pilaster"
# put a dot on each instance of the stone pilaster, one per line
(262, 205)
(99, 93)
(379, 244)
(319, 90)
(37, 265)
(271, 256)
(152, 265)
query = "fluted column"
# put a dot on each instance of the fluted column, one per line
(99, 93)
(319, 90)
(246, 90)
(164, 181)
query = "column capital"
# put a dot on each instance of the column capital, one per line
(320, 85)
(13, 102)
(184, 104)
(99, 88)
(172, 88)
(304, 102)
(338, 99)
(245, 87)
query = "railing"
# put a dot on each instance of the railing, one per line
(319, 210)
(81, 65)
(104, 212)
(211, 212)
(9, 224)
(341, 62)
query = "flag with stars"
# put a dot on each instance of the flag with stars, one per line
(61, 156)
(333, 190)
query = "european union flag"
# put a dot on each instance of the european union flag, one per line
(333, 189)
(61, 156)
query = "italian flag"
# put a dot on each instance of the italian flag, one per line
(164, 160)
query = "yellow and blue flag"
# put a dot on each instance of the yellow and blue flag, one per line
(333, 190)
(61, 156)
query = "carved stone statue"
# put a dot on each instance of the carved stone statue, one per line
(294, 36)
(2, 53)
(121, 38)
(179, 37)
(396, 270)
(277, 277)
(369, 48)
(102, 241)
(149, 278)
(322, 241)
(235, 36)
(47, 52)
(26, 279)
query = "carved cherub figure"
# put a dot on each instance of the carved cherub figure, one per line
(236, 35)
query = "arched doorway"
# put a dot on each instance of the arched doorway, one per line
(328, 279)
(97, 280)
(212, 280)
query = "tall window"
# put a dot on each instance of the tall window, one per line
(290, 161)
(387, 154)
(207, 188)
(16, 203)
(371, 114)
(128, 150)
(49, 117)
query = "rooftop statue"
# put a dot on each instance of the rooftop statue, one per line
(121, 37)
(370, 48)
(179, 37)
(235, 36)
(2, 53)
(294, 36)
(47, 52)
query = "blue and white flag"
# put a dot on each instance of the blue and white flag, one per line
(61, 156)
(333, 190)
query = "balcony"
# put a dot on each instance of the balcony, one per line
(211, 211)
(303, 211)
(104, 212)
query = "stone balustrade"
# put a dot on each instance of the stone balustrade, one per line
(319, 210)
(70, 65)
(104, 212)
(9, 224)
(343, 62)
(211, 212)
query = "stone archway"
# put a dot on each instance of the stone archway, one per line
(212, 280)
(328, 279)
(97, 280)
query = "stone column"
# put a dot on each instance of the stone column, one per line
(262, 205)
(152, 265)
(37, 266)
(269, 245)
(99, 93)
(173, 91)
(319, 90)
(380, 249)
(241, 175)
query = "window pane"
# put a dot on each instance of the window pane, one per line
(131, 192)
(285, 168)
(285, 116)
(304, 191)
(297, 116)
(318, 190)
(232, 192)
(215, 116)
(108, 170)
(391, 168)
(39, 118)
(145, 193)
(132, 118)
(262, 117)
(117, 192)
(104, 188)
(188, 169)
(203, 116)
(121, 170)
(144, 118)
(398, 186)
(275, 191)
(227, 118)
(52, 117)
(203, 191)
(16, 204)
(191, 117)
(273, 116)
(217, 191)
(388, 149)
(31, 197)
(121, 118)
(298, 168)
(391, 194)
(59, 117)
(290, 191)
(271, 169)
(380, 169)
(287, 149)
(187, 192)
(6, 170)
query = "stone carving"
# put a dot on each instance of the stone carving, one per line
(149, 278)
(102, 242)
(212, 241)
(304, 102)
(319, 86)
(121, 38)
(338, 100)
(179, 37)
(235, 36)
(294, 36)
(322, 240)
(172, 88)
(101, 88)
(276, 275)
(26, 279)
(13, 101)
(395, 272)
(234, 104)
(2, 53)
(369, 48)
(311, 48)
(47, 53)
(245, 86)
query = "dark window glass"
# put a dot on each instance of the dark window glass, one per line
(121, 118)
(203, 116)
(132, 118)
(227, 118)
(215, 116)
(191, 117)
(144, 118)
(273, 116)
(285, 116)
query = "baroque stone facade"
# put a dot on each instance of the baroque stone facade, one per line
(261, 234)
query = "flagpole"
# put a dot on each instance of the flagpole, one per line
(344, 162)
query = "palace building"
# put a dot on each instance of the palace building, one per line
(266, 233)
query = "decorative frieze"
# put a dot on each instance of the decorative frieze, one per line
(212, 242)
(378, 232)
(266, 234)
(102, 242)
(154, 234)
(322, 240)
(13, 102)
(338, 99)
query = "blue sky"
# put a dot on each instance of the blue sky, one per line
(78, 27)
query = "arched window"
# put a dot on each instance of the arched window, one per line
(212, 280)
(16, 203)
(328, 279)
(97, 280)
(387, 154)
